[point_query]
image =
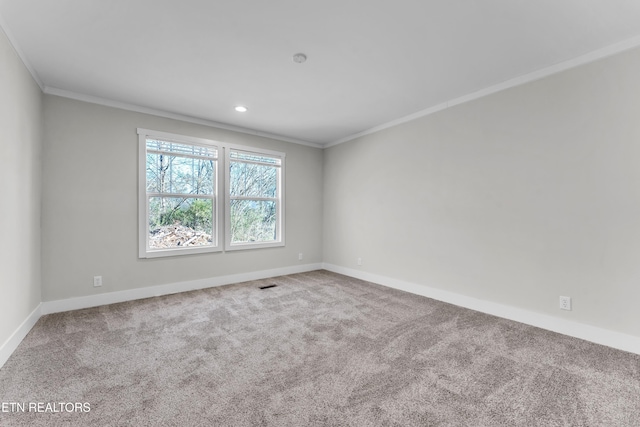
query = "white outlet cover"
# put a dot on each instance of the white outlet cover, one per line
(565, 303)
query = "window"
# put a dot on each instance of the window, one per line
(178, 185)
(181, 205)
(255, 198)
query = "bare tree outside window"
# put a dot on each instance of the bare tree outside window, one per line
(198, 195)
(254, 183)
(180, 190)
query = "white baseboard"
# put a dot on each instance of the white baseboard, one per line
(10, 345)
(593, 334)
(49, 307)
(58, 306)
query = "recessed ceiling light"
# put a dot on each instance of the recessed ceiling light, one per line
(241, 109)
(299, 58)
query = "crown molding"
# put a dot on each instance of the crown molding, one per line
(12, 41)
(169, 115)
(517, 81)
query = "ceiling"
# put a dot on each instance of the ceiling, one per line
(370, 62)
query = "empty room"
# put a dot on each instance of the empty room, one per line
(340, 213)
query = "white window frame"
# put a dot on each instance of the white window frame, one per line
(143, 197)
(279, 199)
(221, 201)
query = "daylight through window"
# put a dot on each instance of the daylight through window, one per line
(181, 207)
(254, 211)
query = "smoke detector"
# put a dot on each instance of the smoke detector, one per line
(299, 58)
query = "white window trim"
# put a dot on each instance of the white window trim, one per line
(280, 202)
(221, 201)
(143, 208)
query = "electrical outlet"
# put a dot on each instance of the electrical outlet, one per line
(565, 303)
(300, 256)
(97, 281)
(359, 261)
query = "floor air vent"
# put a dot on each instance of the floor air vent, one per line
(268, 286)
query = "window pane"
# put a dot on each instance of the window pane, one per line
(154, 173)
(185, 175)
(180, 222)
(248, 179)
(177, 148)
(253, 221)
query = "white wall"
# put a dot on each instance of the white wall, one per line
(90, 204)
(515, 198)
(20, 178)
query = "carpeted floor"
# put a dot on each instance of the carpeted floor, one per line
(318, 349)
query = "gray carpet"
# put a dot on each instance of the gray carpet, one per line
(318, 349)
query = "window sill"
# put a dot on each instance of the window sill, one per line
(161, 253)
(246, 246)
